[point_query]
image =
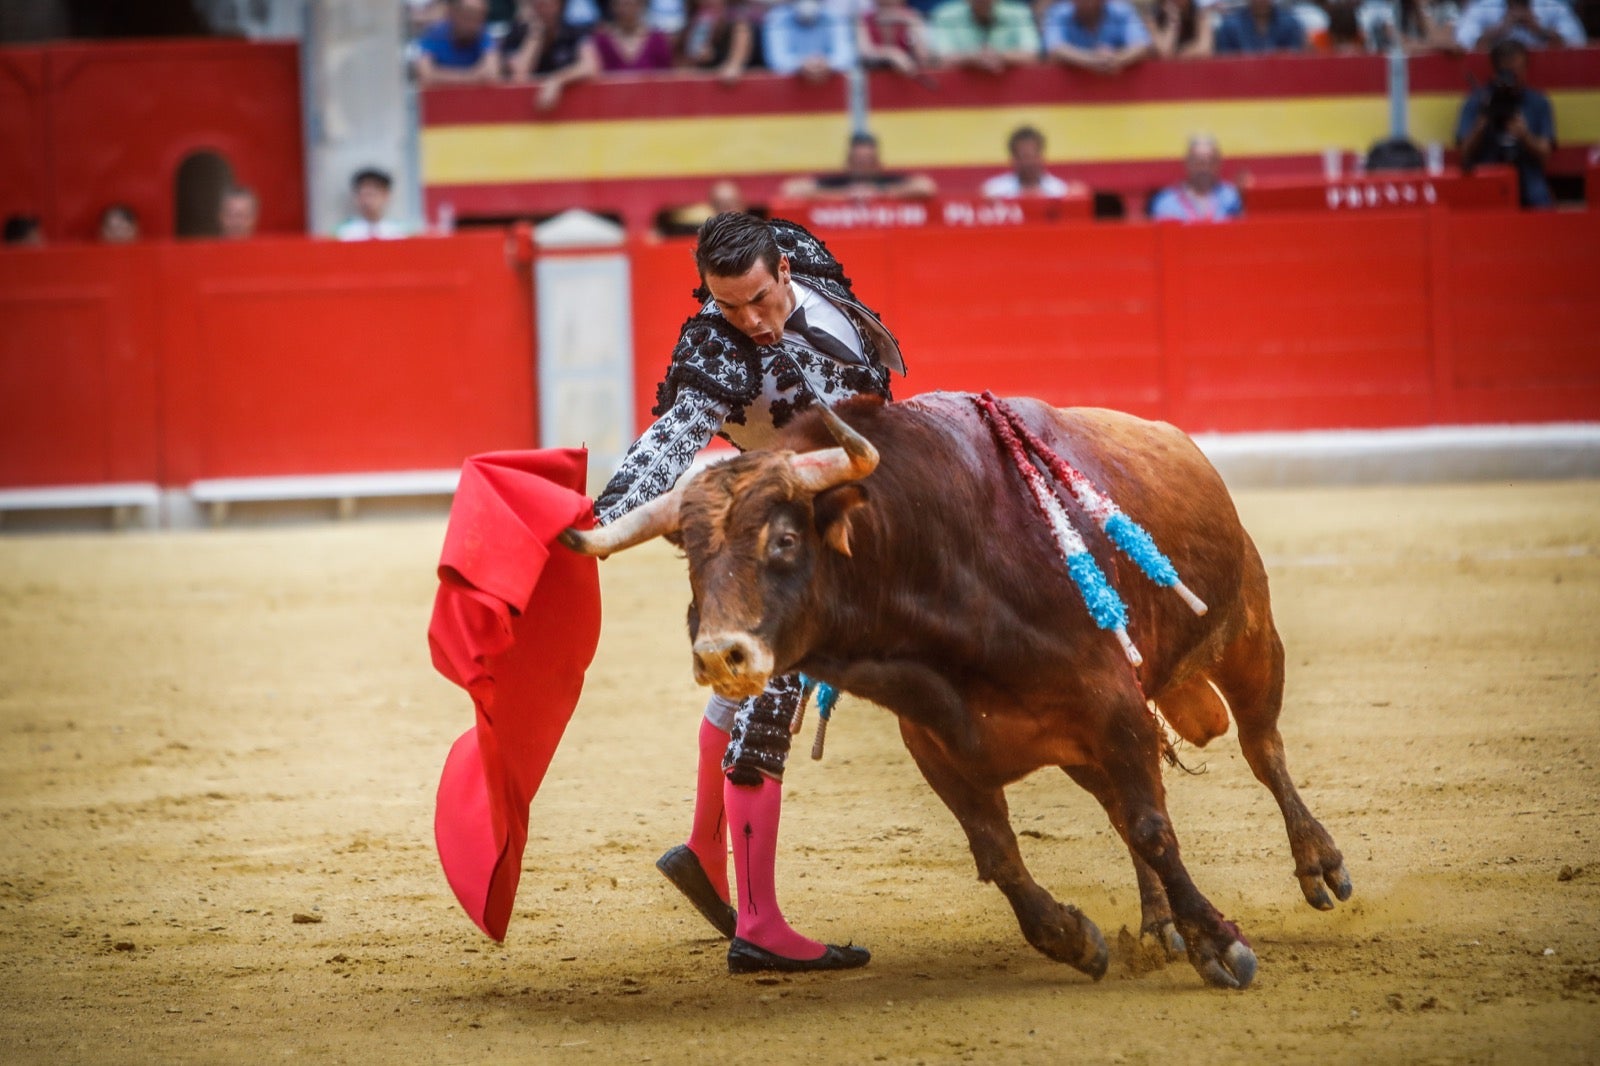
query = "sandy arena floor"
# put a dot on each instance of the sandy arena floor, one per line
(206, 739)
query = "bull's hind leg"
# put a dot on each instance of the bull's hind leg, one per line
(1250, 676)
(1060, 931)
(1155, 918)
(1130, 770)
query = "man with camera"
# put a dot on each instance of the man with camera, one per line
(1509, 122)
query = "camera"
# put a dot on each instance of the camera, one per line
(1504, 102)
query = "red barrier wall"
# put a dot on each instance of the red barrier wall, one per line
(174, 362)
(295, 357)
(1293, 322)
(78, 383)
(24, 132)
(85, 125)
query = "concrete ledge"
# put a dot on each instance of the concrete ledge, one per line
(217, 494)
(1406, 456)
(131, 503)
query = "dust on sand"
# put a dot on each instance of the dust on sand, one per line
(218, 754)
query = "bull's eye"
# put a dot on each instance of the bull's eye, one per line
(782, 548)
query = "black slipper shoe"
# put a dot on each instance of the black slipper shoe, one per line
(745, 957)
(682, 867)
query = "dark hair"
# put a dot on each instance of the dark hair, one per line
(1395, 153)
(1024, 133)
(1504, 49)
(733, 242)
(1188, 28)
(1343, 26)
(861, 137)
(374, 175)
(20, 227)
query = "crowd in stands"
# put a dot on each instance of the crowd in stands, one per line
(553, 43)
(238, 211)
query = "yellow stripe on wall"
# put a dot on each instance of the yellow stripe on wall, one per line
(505, 153)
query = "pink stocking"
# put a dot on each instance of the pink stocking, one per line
(753, 814)
(708, 836)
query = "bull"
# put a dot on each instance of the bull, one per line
(890, 551)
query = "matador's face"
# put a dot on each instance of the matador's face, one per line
(756, 302)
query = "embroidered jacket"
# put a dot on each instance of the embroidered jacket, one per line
(720, 382)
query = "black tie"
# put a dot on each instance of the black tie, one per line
(821, 339)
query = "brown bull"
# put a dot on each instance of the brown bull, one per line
(925, 581)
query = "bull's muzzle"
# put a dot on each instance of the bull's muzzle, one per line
(736, 665)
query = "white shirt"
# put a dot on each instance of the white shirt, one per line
(359, 229)
(1008, 186)
(821, 314)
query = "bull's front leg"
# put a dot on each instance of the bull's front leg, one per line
(1130, 765)
(1058, 930)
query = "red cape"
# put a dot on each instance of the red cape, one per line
(515, 623)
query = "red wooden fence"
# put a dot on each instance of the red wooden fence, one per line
(172, 362)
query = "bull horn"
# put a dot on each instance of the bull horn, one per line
(656, 518)
(853, 460)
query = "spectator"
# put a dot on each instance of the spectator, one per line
(1179, 29)
(989, 35)
(1261, 26)
(723, 196)
(119, 225)
(370, 188)
(1027, 176)
(863, 178)
(237, 213)
(628, 43)
(1103, 36)
(893, 36)
(1343, 36)
(1202, 196)
(551, 52)
(458, 50)
(1508, 121)
(1423, 26)
(720, 39)
(1395, 153)
(1533, 23)
(23, 231)
(806, 37)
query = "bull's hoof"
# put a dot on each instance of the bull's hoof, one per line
(1234, 966)
(1095, 956)
(1312, 881)
(1073, 939)
(1167, 936)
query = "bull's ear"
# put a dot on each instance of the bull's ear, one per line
(832, 511)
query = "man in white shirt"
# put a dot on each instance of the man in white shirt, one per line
(1027, 176)
(371, 188)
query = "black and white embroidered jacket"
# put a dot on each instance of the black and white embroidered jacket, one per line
(720, 382)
